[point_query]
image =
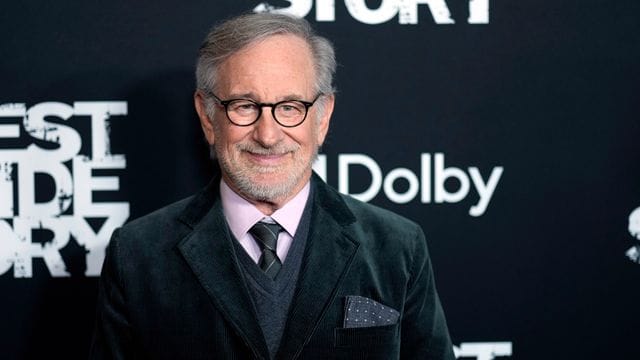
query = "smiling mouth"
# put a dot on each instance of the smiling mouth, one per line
(266, 159)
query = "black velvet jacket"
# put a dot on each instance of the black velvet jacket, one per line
(171, 287)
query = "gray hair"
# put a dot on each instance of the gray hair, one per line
(232, 35)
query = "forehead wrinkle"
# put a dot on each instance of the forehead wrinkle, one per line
(255, 73)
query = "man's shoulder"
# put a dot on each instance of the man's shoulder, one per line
(166, 215)
(366, 212)
(152, 233)
(165, 226)
(374, 217)
(385, 237)
(185, 212)
(364, 216)
(377, 230)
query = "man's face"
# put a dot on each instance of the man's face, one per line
(266, 162)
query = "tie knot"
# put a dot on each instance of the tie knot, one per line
(266, 234)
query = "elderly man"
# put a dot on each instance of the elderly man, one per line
(268, 262)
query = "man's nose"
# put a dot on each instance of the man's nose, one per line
(266, 130)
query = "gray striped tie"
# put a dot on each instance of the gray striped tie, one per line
(267, 237)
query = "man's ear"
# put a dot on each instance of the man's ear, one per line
(323, 122)
(205, 121)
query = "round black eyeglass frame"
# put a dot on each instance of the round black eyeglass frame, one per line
(307, 105)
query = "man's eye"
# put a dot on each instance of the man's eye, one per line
(243, 107)
(290, 108)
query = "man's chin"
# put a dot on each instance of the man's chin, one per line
(270, 188)
(266, 184)
(272, 193)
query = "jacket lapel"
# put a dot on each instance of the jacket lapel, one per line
(328, 255)
(211, 256)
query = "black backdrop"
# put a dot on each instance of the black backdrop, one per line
(544, 96)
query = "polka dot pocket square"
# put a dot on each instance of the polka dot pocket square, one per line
(363, 312)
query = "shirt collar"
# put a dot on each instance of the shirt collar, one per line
(241, 215)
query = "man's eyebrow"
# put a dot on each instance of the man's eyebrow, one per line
(291, 97)
(254, 97)
(248, 95)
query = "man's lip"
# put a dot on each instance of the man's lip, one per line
(266, 158)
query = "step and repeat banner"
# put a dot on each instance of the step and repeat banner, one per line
(508, 129)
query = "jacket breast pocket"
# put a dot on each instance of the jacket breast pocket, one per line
(378, 342)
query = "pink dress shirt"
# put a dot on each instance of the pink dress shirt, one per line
(241, 215)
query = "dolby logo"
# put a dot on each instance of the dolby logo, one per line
(426, 185)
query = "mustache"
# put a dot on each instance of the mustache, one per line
(277, 149)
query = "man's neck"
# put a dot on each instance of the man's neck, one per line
(267, 207)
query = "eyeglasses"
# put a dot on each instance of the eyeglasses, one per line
(245, 112)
